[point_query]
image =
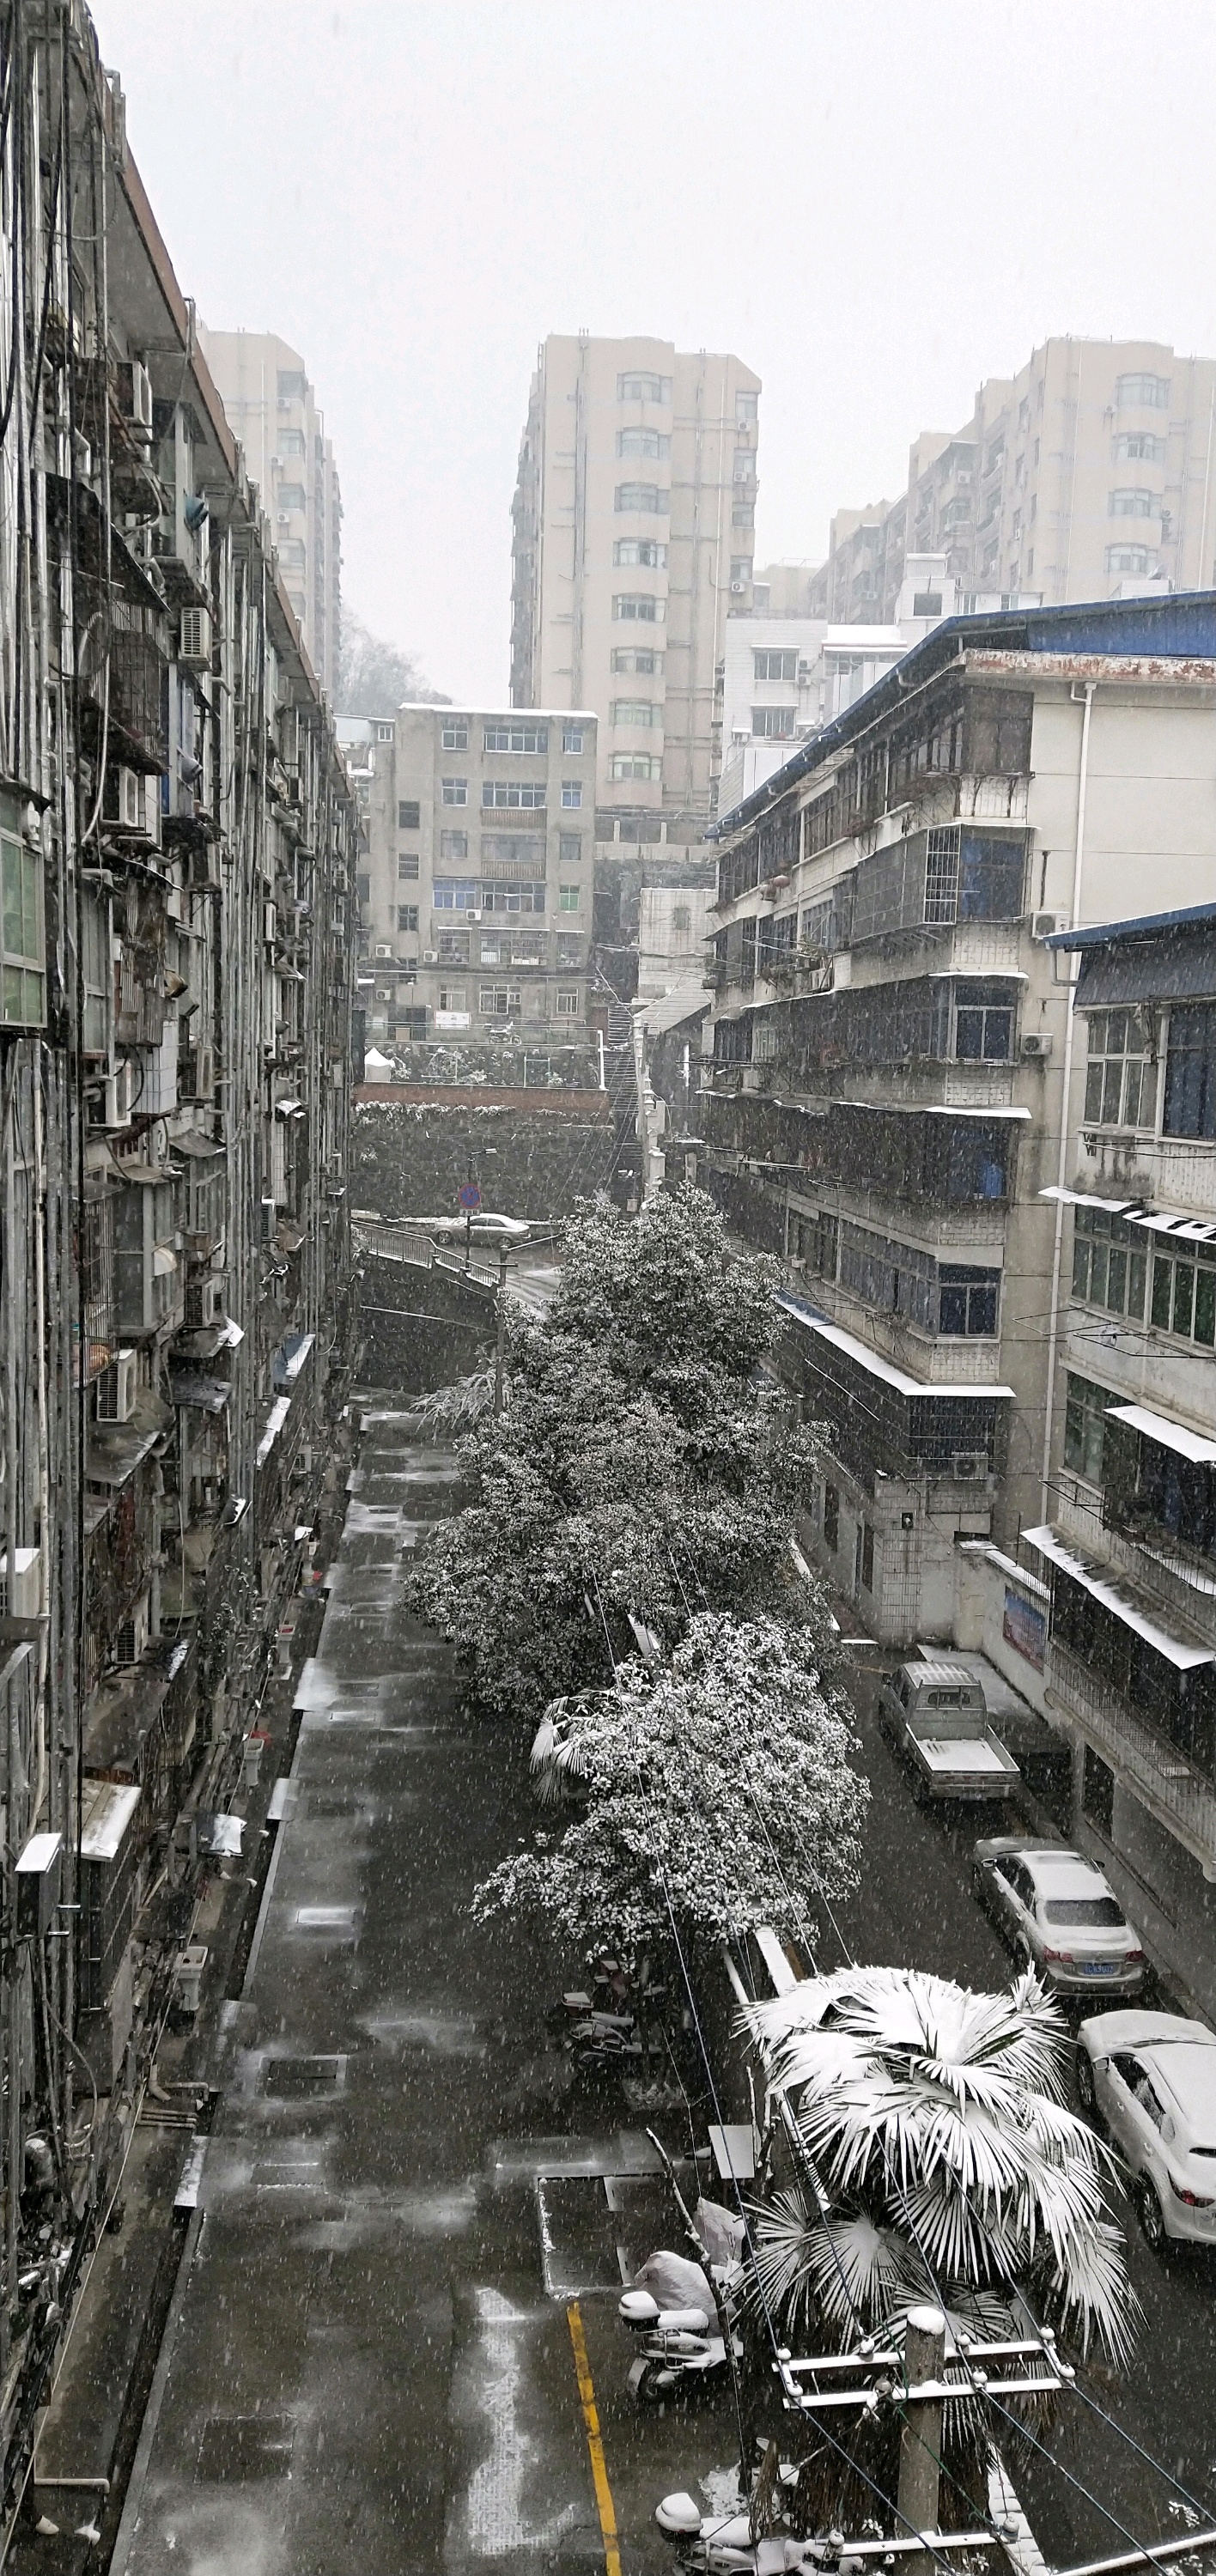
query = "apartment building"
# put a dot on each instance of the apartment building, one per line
(1090, 473)
(272, 409)
(475, 889)
(634, 537)
(1127, 1539)
(175, 1282)
(890, 1037)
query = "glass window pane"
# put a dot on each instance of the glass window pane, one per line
(1116, 1283)
(1163, 1281)
(1093, 1090)
(1080, 1266)
(1205, 1307)
(1137, 1269)
(1184, 1296)
(1112, 1091)
(1097, 1276)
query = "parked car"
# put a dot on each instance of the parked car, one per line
(1151, 2078)
(1059, 1914)
(936, 1716)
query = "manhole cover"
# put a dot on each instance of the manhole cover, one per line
(298, 2079)
(245, 2446)
(338, 1919)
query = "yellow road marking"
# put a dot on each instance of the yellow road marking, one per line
(595, 2445)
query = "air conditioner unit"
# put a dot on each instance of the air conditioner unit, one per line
(204, 866)
(969, 1466)
(270, 1219)
(383, 948)
(116, 1388)
(1036, 1046)
(270, 921)
(20, 1598)
(123, 803)
(738, 588)
(134, 388)
(196, 1074)
(430, 957)
(194, 648)
(1043, 925)
(284, 518)
(131, 1641)
(204, 1303)
(473, 916)
(110, 1099)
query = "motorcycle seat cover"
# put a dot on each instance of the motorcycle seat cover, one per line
(638, 2308)
(679, 2514)
(683, 2321)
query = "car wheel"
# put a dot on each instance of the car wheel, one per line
(1086, 2094)
(1151, 2217)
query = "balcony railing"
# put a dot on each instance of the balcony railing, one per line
(1168, 1782)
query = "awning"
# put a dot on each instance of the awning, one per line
(164, 1261)
(149, 1173)
(1176, 1650)
(289, 1109)
(938, 1109)
(209, 1394)
(1172, 1435)
(113, 1452)
(1087, 1198)
(290, 1356)
(275, 1420)
(106, 1809)
(199, 1148)
(865, 1358)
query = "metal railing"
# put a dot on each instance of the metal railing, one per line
(409, 1243)
(1169, 1782)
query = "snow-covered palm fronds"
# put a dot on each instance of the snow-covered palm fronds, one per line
(559, 1763)
(934, 2119)
(454, 1407)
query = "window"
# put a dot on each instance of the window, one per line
(773, 724)
(407, 916)
(454, 948)
(291, 496)
(967, 1299)
(640, 550)
(650, 498)
(514, 897)
(452, 845)
(512, 854)
(499, 1001)
(941, 876)
(743, 515)
(452, 997)
(1190, 1072)
(293, 555)
(1120, 1080)
(569, 898)
(681, 919)
(363, 889)
(455, 791)
(648, 612)
(455, 734)
(983, 1023)
(570, 848)
(643, 442)
(1142, 393)
(569, 952)
(530, 738)
(1109, 1262)
(634, 764)
(455, 894)
(23, 965)
(1137, 445)
(867, 1556)
(1085, 1427)
(636, 657)
(572, 739)
(513, 795)
(775, 666)
(1184, 1297)
(291, 385)
(290, 442)
(407, 867)
(740, 571)
(1135, 559)
(747, 407)
(638, 385)
(971, 876)
(572, 793)
(636, 711)
(409, 817)
(567, 1004)
(1133, 501)
(831, 1518)
(744, 470)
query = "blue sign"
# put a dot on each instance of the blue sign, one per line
(470, 1196)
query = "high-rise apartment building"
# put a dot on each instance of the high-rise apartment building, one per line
(475, 888)
(634, 535)
(272, 408)
(1090, 473)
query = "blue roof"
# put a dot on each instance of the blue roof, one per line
(1104, 934)
(1174, 627)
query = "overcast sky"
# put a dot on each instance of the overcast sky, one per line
(875, 203)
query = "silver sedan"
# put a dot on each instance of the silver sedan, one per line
(1151, 2079)
(1059, 1915)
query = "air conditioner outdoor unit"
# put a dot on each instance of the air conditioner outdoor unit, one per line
(969, 1466)
(473, 916)
(1043, 925)
(383, 948)
(284, 518)
(135, 394)
(196, 1074)
(20, 1598)
(270, 921)
(430, 957)
(116, 1389)
(131, 1642)
(123, 807)
(738, 588)
(194, 648)
(1036, 1046)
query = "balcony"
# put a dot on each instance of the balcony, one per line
(1177, 1171)
(1169, 1783)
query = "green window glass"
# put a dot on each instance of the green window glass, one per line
(1137, 1280)
(1184, 1296)
(1163, 1281)
(1205, 1307)
(22, 976)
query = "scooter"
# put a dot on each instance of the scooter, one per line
(715, 2544)
(684, 2311)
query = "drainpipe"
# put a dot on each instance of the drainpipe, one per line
(1078, 867)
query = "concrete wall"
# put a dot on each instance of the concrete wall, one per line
(410, 1160)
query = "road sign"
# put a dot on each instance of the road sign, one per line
(470, 1196)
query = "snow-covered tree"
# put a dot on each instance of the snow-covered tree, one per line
(935, 2121)
(714, 1796)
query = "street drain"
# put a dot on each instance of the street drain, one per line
(245, 2446)
(326, 1918)
(300, 2079)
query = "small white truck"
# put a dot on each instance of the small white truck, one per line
(936, 1716)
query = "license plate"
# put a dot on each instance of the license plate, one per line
(1103, 1967)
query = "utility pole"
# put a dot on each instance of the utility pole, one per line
(501, 1345)
(920, 2447)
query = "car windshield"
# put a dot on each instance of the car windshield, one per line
(1084, 1913)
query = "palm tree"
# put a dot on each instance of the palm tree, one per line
(937, 2161)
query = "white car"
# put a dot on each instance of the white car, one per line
(1058, 1914)
(1151, 2077)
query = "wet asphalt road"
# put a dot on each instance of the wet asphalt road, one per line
(370, 2366)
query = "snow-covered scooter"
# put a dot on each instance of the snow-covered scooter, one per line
(716, 2544)
(684, 2311)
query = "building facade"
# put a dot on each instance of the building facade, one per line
(475, 887)
(176, 839)
(1128, 1538)
(1090, 473)
(272, 409)
(891, 1042)
(633, 541)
